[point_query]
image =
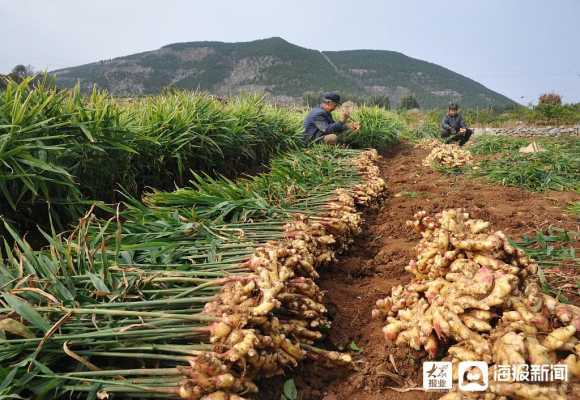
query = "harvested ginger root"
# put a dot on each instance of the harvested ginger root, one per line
(473, 290)
(448, 155)
(269, 319)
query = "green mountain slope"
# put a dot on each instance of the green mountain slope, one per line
(395, 74)
(280, 69)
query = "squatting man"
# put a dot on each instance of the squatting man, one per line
(319, 125)
(453, 127)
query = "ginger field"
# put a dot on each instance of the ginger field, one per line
(183, 246)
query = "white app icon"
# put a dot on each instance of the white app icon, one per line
(473, 376)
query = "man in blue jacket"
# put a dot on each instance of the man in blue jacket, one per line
(319, 126)
(454, 128)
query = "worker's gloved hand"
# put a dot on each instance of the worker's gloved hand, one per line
(462, 130)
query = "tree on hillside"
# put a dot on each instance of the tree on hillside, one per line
(409, 103)
(550, 98)
(22, 71)
(550, 108)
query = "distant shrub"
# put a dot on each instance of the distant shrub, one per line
(542, 114)
(490, 117)
(551, 110)
(379, 101)
(409, 102)
(312, 99)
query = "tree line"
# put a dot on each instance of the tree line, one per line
(409, 102)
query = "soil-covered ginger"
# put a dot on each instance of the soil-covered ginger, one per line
(447, 155)
(476, 297)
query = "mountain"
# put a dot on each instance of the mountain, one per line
(282, 70)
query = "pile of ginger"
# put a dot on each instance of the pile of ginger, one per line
(447, 155)
(270, 318)
(475, 297)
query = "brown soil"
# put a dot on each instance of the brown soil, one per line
(376, 262)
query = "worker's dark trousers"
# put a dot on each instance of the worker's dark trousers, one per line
(450, 137)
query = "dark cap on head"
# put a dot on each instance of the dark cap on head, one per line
(453, 106)
(331, 96)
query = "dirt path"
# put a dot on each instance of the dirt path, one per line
(376, 263)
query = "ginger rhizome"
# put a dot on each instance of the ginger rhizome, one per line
(475, 297)
(270, 318)
(447, 155)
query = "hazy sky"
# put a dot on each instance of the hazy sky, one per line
(518, 48)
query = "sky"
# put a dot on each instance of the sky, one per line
(520, 48)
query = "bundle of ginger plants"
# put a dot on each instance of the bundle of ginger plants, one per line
(169, 305)
(270, 320)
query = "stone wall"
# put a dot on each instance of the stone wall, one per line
(530, 131)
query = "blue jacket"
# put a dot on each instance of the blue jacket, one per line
(454, 123)
(318, 123)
